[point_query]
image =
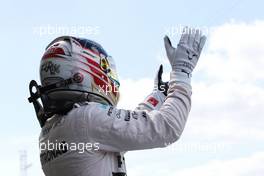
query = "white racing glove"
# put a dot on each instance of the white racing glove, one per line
(184, 58)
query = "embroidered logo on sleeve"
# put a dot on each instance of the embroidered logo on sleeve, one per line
(153, 101)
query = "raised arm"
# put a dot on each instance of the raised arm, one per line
(123, 130)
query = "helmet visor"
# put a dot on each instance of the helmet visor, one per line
(112, 72)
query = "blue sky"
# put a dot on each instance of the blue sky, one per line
(132, 32)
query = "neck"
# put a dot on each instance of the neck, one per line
(97, 99)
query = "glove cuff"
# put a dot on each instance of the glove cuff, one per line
(153, 101)
(177, 77)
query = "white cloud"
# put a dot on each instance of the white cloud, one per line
(229, 110)
(245, 166)
(235, 52)
(134, 91)
(251, 165)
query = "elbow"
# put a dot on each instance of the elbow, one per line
(167, 128)
(171, 135)
(172, 139)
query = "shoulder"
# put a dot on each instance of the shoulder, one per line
(85, 111)
(89, 106)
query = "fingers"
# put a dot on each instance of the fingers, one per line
(184, 36)
(193, 38)
(160, 71)
(167, 44)
(202, 42)
(159, 75)
(192, 34)
(197, 39)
